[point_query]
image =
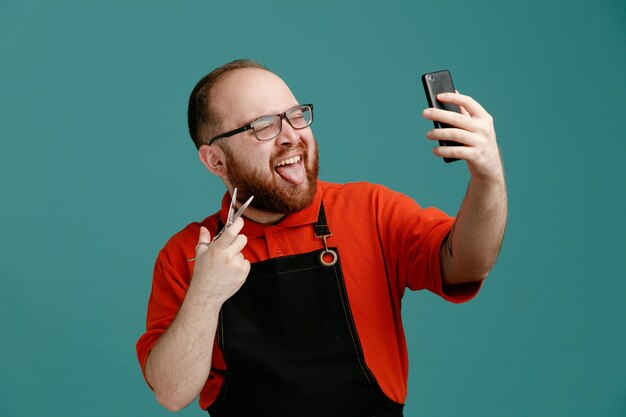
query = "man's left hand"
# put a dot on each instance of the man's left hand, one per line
(473, 127)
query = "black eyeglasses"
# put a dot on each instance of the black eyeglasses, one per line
(269, 127)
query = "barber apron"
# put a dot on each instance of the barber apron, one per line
(291, 346)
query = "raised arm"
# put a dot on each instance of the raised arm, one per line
(472, 247)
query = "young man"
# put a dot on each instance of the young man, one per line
(296, 310)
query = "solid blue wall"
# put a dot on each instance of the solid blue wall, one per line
(98, 171)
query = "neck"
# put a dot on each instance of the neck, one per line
(263, 217)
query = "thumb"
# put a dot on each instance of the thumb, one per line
(205, 237)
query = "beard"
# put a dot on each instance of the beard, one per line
(270, 196)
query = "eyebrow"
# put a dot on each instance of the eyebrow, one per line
(255, 119)
(272, 114)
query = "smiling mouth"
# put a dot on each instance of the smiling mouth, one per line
(288, 161)
(291, 170)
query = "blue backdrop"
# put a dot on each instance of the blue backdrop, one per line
(98, 171)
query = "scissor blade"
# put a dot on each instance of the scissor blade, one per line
(231, 209)
(242, 208)
(233, 217)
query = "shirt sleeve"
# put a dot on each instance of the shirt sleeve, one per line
(170, 282)
(412, 237)
(168, 291)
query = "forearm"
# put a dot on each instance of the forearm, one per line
(179, 364)
(473, 245)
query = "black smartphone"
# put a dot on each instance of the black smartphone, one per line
(435, 83)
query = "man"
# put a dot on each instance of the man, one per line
(296, 310)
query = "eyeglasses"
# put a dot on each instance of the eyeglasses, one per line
(269, 127)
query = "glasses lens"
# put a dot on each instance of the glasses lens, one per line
(267, 127)
(300, 117)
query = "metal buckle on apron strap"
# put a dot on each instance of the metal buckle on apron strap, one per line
(322, 230)
(327, 251)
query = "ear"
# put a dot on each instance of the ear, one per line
(213, 159)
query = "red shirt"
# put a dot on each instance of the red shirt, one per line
(386, 243)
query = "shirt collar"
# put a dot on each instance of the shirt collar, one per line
(300, 218)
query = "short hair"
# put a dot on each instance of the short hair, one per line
(202, 118)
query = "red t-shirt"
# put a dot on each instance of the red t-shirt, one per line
(386, 243)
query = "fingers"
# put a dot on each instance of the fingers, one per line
(239, 243)
(226, 239)
(230, 239)
(461, 121)
(473, 129)
(472, 106)
(473, 116)
(458, 152)
(451, 118)
(457, 135)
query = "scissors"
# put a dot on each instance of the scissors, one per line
(232, 216)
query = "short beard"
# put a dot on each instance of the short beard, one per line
(268, 197)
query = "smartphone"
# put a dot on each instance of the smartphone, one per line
(435, 83)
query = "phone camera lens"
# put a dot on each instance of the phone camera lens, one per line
(431, 78)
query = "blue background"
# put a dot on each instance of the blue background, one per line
(97, 171)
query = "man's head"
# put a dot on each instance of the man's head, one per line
(202, 119)
(282, 172)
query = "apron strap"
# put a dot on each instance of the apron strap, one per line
(328, 257)
(321, 226)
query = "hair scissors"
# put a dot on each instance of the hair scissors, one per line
(232, 216)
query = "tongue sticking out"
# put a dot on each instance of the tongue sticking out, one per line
(292, 173)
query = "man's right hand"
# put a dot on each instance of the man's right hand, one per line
(220, 267)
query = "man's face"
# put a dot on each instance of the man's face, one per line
(281, 173)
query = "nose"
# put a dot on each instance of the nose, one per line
(288, 135)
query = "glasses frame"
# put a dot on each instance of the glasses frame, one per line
(283, 116)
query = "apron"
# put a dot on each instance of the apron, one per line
(291, 346)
